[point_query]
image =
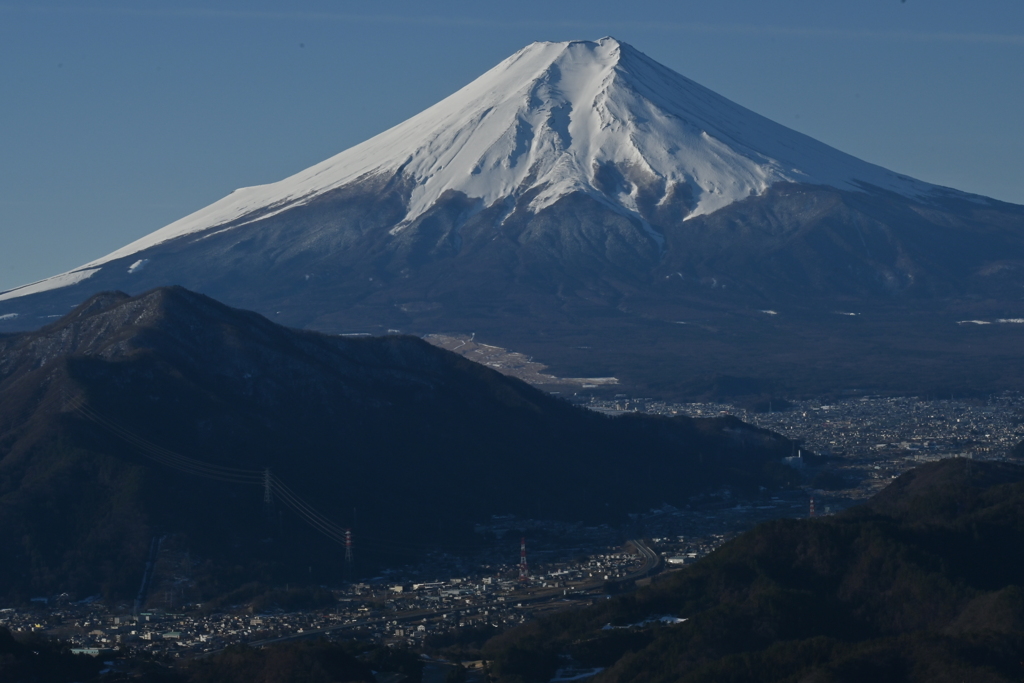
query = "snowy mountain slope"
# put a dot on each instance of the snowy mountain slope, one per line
(580, 197)
(553, 119)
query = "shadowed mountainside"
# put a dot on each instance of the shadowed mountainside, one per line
(922, 583)
(137, 417)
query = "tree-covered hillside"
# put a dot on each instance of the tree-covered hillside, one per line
(136, 418)
(924, 583)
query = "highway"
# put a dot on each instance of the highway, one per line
(651, 560)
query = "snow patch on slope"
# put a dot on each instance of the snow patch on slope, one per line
(1000, 321)
(138, 266)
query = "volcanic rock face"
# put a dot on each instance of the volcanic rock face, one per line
(578, 194)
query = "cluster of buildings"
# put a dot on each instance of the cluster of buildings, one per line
(387, 610)
(680, 551)
(871, 439)
(868, 426)
(908, 427)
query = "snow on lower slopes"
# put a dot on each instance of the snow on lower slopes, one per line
(554, 117)
(63, 280)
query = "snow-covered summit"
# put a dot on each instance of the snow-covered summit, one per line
(550, 117)
(598, 117)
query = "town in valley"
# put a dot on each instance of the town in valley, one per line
(858, 444)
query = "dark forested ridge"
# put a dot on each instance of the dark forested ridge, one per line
(405, 443)
(34, 659)
(923, 583)
(38, 660)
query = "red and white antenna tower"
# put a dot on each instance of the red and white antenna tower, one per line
(812, 506)
(348, 547)
(522, 559)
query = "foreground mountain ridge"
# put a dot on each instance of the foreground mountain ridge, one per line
(157, 415)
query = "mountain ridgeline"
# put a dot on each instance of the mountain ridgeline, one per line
(163, 415)
(922, 583)
(588, 206)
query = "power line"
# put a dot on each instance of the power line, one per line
(273, 487)
(170, 458)
(271, 483)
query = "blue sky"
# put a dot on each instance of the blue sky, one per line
(117, 118)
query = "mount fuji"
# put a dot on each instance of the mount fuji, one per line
(585, 204)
